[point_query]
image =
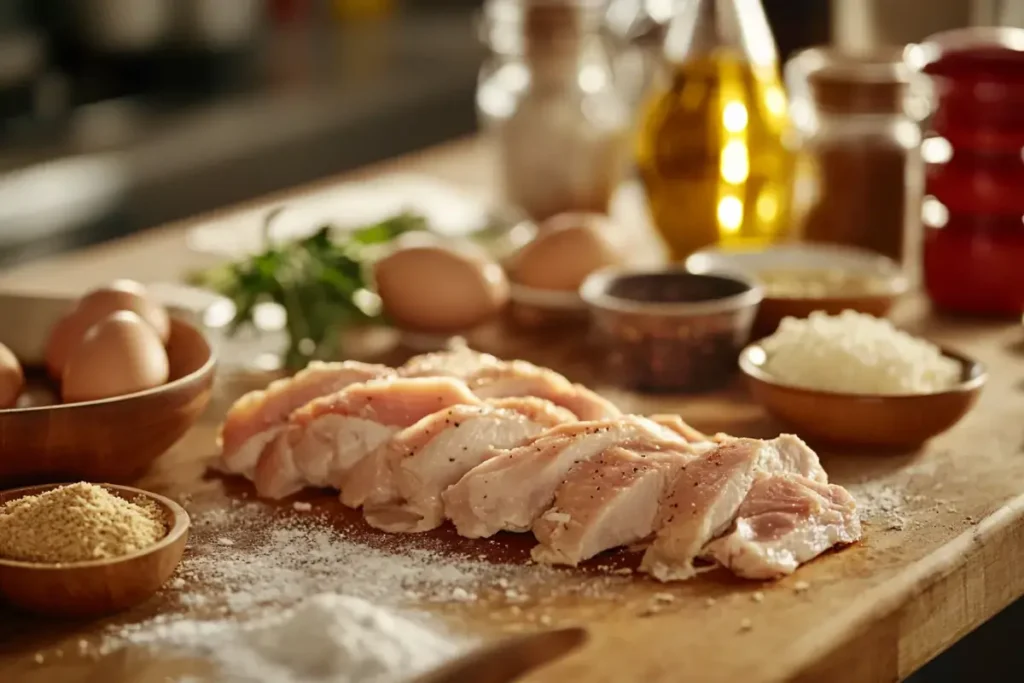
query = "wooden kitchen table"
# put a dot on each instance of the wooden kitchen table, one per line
(943, 547)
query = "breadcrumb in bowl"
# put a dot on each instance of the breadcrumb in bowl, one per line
(96, 587)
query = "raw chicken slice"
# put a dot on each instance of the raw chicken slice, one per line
(520, 378)
(458, 361)
(705, 497)
(490, 377)
(256, 418)
(400, 484)
(786, 520)
(606, 502)
(514, 487)
(678, 425)
(326, 437)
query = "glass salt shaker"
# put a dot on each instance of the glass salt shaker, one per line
(548, 99)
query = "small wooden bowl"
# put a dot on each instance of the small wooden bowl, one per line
(115, 439)
(896, 422)
(98, 587)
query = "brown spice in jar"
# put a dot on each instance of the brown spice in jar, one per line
(862, 196)
(77, 523)
(862, 153)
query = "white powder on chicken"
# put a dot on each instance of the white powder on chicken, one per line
(858, 354)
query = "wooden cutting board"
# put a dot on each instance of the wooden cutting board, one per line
(943, 550)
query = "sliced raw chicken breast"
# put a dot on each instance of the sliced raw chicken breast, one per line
(400, 484)
(678, 425)
(786, 520)
(606, 502)
(490, 377)
(520, 378)
(704, 498)
(513, 488)
(256, 418)
(325, 438)
(460, 362)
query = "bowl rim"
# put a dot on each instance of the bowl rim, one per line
(205, 369)
(181, 525)
(594, 291)
(754, 371)
(552, 299)
(889, 272)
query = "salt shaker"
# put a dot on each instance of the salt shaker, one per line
(548, 98)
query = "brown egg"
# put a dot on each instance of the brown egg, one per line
(120, 295)
(12, 378)
(64, 337)
(125, 295)
(119, 355)
(443, 290)
(567, 249)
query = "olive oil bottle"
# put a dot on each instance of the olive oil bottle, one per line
(712, 147)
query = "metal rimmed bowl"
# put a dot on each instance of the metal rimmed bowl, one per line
(669, 329)
(96, 587)
(890, 422)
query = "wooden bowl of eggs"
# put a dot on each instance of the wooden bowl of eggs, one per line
(96, 389)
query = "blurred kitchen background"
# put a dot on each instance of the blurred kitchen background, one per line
(118, 115)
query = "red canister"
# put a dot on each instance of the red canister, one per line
(973, 209)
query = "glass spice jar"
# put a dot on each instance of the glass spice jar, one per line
(859, 180)
(973, 209)
(548, 97)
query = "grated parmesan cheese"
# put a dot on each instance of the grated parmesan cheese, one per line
(857, 354)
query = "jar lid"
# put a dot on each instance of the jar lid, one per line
(539, 25)
(857, 83)
(991, 54)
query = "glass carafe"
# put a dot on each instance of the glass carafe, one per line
(712, 147)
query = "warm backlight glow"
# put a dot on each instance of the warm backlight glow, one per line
(735, 162)
(734, 117)
(730, 213)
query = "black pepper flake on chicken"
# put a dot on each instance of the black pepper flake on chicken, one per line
(515, 447)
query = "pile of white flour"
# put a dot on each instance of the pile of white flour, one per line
(328, 638)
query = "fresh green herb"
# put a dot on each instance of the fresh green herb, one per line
(320, 282)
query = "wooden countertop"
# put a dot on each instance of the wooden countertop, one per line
(943, 548)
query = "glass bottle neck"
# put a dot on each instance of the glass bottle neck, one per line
(704, 28)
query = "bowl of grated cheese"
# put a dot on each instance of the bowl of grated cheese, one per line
(856, 380)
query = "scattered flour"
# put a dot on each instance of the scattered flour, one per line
(227, 599)
(326, 638)
(882, 504)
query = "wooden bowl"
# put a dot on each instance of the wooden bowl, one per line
(890, 422)
(113, 440)
(98, 587)
(887, 276)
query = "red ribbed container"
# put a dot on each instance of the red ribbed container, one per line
(973, 211)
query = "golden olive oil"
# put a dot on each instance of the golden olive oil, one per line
(712, 152)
